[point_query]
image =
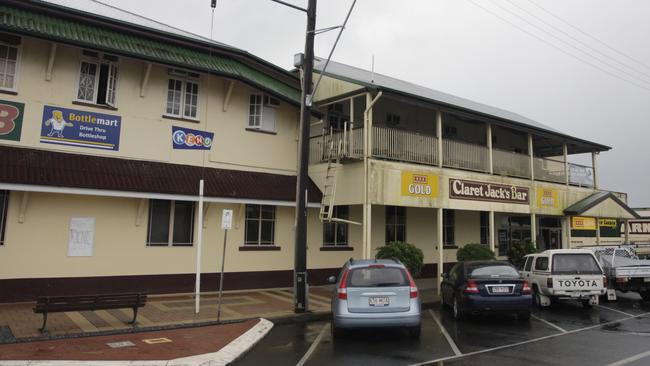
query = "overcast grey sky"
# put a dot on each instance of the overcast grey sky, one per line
(468, 48)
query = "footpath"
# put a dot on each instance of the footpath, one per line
(167, 332)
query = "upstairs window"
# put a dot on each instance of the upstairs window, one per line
(336, 233)
(182, 94)
(4, 204)
(260, 225)
(171, 223)
(9, 61)
(395, 224)
(98, 78)
(261, 112)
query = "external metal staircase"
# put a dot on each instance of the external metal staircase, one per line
(334, 153)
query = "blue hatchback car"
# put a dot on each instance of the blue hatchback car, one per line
(476, 287)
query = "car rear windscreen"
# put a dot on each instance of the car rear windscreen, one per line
(575, 263)
(378, 277)
(493, 271)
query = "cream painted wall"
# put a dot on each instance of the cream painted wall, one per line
(145, 134)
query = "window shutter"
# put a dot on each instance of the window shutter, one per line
(268, 119)
(111, 85)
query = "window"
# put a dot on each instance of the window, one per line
(541, 264)
(171, 223)
(393, 120)
(575, 264)
(529, 264)
(395, 224)
(260, 225)
(377, 277)
(4, 204)
(335, 116)
(336, 233)
(182, 94)
(9, 61)
(448, 228)
(97, 79)
(261, 112)
(485, 227)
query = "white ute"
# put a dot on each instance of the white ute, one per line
(564, 274)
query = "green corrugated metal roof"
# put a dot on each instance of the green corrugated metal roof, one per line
(40, 25)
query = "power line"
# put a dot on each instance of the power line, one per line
(589, 35)
(577, 39)
(558, 48)
(567, 43)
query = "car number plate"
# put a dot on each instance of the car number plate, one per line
(500, 289)
(379, 301)
(646, 279)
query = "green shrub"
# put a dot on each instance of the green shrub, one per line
(516, 252)
(474, 252)
(410, 255)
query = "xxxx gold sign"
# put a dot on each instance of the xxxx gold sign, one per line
(479, 191)
(589, 223)
(419, 184)
(547, 198)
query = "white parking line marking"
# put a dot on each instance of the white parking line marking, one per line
(526, 342)
(625, 361)
(549, 323)
(451, 342)
(615, 310)
(313, 346)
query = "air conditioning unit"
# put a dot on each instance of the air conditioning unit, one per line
(271, 102)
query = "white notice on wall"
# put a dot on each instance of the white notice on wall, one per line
(82, 234)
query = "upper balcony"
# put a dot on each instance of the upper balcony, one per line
(420, 134)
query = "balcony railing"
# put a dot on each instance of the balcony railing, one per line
(549, 170)
(394, 144)
(463, 155)
(510, 163)
(399, 145)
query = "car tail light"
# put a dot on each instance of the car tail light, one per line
(622, 279)
(413, 289)
(526, 289)
(605, 281)
(549, 282)
(471, 287)
(342, 291)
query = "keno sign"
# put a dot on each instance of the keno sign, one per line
(479, 191)
(188, 139)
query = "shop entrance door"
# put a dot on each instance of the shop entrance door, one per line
(552, 238)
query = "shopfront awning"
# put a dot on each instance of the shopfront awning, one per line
(601, 204)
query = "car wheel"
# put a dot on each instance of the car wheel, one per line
(414, 332)
(336, 331)
(537, 298)
(586, 304)
(645, 295)
(457, 309)
(523, 316)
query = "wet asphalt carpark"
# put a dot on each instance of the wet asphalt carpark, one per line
(613, 333)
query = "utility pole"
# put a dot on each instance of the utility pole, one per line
(300, 260)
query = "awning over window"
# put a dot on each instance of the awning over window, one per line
(601, 204)
(32, 167)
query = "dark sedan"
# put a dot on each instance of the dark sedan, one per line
(476, 287)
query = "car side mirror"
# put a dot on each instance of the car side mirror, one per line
(445, 276)
(331, 279)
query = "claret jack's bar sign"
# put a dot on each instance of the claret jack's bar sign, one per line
(480, 191)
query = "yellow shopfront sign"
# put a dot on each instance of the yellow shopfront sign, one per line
(547, 198)
(589, 223)
(416, 184)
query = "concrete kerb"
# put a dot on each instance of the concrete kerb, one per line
(230, 353)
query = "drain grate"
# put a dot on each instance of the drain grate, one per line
(122, 344)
